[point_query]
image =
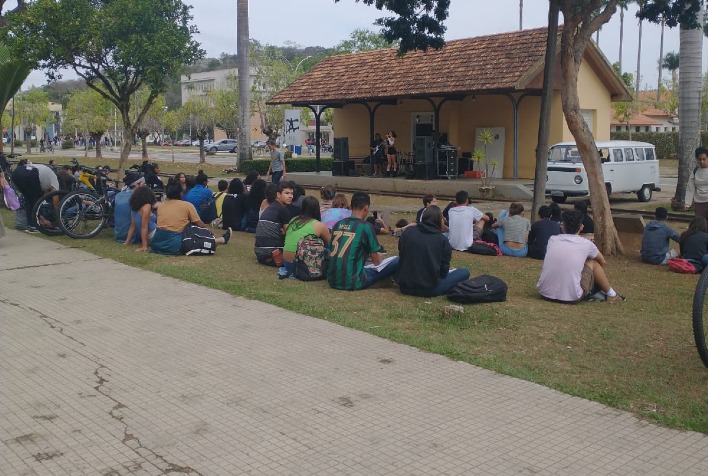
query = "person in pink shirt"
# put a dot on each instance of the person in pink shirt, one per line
(573, 268)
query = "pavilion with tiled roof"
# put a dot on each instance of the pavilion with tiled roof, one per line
(488, 81)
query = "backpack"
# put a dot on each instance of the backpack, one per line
(681, 265)
(197, 241)
(311, 259)
(480, 247)
(482, 288)
(11, 200)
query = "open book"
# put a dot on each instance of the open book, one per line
(381, 265)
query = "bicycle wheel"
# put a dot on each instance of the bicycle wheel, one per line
(45, 213)
(700, 318)
(82, 214)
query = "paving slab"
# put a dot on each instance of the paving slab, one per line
(111, 370)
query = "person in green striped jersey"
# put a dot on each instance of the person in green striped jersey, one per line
(354, 242)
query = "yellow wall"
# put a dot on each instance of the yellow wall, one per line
(460, 119)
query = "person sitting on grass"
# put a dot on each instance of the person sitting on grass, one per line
(219, 196)
(338, 211)
(573, 266)
(465, 221)
(424, 258)
(541, 231)
(201, 197)
(694, 242)
(272, 225)
(513, 231)
(306, 223)
(142, 218)
(353, 242)
(121, 205)
(656, 237)
(235, 206)
(588, 224)
(174, 215)
(327, 194)
(253, 204)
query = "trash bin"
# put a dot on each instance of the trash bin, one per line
(298, 150)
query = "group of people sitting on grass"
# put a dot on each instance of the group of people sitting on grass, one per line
(693, 243)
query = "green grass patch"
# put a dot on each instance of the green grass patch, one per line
(637, 356)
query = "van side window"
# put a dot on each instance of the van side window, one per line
(617, 155)
(650, 154)
(629, 154)
(640, 154)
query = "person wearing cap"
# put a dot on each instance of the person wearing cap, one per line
(121, 206)
(656, 237)
(202, 198)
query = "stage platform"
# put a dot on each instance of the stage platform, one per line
(504, 189)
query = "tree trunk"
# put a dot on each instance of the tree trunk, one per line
(661, 59)
(144, 146)
(606, 237)
(28, 140)
(127, 142)
(621, 37)
(97, 139)
(544, 128)
(690, 84)
(639, 60)
(202, 155)
(521, 14)
(244, 83)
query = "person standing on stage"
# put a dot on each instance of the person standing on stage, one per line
(391, 166)
(378, 155)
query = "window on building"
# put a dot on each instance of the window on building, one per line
(637, 129)
(618, 128)
(666, 129)
(673, 129)
(589, 118)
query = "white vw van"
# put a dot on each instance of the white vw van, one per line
(627, 166)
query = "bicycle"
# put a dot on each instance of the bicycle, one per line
(85, 212)
(700, 318)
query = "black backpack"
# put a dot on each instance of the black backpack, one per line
(197, 241)
(483, 288)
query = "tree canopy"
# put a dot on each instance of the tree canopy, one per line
(117, 46)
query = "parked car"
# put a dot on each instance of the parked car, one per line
(167, 143)
(183, 142)
(230, 145)
(207, 142)
(259, 143)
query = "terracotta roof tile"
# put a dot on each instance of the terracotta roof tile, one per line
(484, 63)
(637, 120)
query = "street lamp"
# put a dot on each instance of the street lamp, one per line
(298, 65)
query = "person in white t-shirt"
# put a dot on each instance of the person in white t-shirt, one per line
(573, 265)
(465, 222)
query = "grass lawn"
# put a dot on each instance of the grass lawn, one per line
(637, 356)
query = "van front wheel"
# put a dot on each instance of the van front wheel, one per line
(558, 198)
(644, 193)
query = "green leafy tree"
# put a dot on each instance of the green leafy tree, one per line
(226, 108)
(89, 112)
(116, 46)
(199, 113)
(31, 110)
(152, 122)
(363, 40)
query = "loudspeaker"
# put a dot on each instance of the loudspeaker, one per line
(464, 163)
(424, 171)
(341, 149)
(423, 149)
(342, 167)
(447, 162)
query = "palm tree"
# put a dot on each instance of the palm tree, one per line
(639, 49)
(690, 85)
(661, 57)
(244, 83)
(521, 14)
(671, 62)
(622, 6)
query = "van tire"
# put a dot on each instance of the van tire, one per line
(644, 193)
(559, 199)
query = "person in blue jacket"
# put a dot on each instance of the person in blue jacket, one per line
(656, 237)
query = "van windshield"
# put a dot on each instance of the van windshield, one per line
(564, 153)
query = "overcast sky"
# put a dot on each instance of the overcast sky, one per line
(325, 23)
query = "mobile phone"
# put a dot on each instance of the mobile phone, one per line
(376, 215)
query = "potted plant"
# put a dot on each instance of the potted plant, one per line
(480, 157)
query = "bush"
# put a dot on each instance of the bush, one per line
(33, 143)
(19, 143)
(210, 152)
(291, 165)
(67, 144)
(666, 143)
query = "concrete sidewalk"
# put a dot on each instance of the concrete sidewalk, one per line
(111, 370)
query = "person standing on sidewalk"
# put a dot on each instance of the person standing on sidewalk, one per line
(276, 169)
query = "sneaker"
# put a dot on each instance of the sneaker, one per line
(616, 298)
(227, 235)
(31, 229)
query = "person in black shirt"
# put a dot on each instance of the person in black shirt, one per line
(588, 224)
(233, 209)
(270, 232)
(541, 231)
